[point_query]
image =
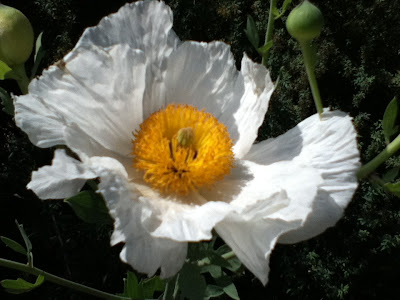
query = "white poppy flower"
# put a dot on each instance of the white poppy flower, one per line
(168, 127)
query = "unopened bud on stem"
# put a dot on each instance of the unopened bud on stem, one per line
(16, 36)
(305, 22)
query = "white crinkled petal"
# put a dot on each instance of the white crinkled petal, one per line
(204, 75)
(142, 251)
(95, 90)
(143, 25)
(329, 146)
(249, 183)
(252, 239)
(64, 178)
(250, 186)
(183, 222)
(253, 90)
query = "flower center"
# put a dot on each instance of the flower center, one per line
(181, 149)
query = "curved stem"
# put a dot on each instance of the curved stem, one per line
(371, 166)
(58, 280)
(270, 30)
(308, 56)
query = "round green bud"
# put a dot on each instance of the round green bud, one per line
(16, 36)
(305, 22)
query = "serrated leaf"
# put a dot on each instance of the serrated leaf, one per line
(264, 49)
(252, 32)
(4, 69)
(151, 285)
(394, 188)
(191, 282)
(213, 291)
(90, 207)
(231, 291)
(7, 102)
(17, 247)
(389, 119)
(20, 285)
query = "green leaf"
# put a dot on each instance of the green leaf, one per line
(213, 291)
(4, 69)
(389, 119)
(231, 291)
(90, 207)
(252, 32)
(275, 12)
(394, 188)
(285, 6)
(264, 49)
(215, 271)
(191, 282)
(20, 286)
(234, 264)
(131, 287)
(39, 54)
(17, 247)
(7, 102)
(151, 285)
(390, 175)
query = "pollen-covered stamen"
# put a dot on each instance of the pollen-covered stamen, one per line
(181, 149)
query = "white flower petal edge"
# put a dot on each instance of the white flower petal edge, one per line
(238, 99)
(107, 107)
(64, 178)
(328, 145)
(143, 25)
(144, 252)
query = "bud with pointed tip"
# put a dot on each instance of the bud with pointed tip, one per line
(16, 36)
(305, 22)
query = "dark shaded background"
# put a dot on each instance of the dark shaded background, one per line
(358, 71)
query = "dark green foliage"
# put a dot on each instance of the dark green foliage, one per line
(358, 70)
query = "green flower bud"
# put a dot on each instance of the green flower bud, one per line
(305, 22)
(16, 36)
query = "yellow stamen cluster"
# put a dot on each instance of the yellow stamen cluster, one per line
(181, 149)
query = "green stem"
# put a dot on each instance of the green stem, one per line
(270, 30)
(58, 280)
(22, 79)
(206, 261)
(371, 166)
(308, 55)
(229, 255)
